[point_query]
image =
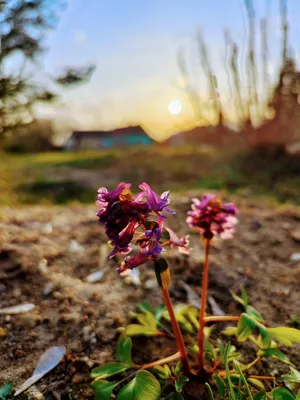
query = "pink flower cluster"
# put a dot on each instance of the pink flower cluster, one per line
(212, 217)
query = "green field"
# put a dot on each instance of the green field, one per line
(64, 177)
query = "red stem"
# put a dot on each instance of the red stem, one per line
(177, 332)
(203, 308)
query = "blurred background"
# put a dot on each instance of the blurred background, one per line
(184, 94)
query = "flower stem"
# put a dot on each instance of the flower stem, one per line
(203, 308)
(176, 331)
(214, 318)
(257, 360)
(165, 360)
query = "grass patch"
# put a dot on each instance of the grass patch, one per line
(55, 192)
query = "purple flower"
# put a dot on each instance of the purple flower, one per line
(212, 218)
(122, 215)
(180, 243)
(150, 250)
(157, 204)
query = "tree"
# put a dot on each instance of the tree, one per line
(23, 24)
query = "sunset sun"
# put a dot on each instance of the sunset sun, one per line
(175, 107)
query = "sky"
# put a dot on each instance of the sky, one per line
(134, 44)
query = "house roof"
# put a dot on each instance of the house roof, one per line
(136, 130)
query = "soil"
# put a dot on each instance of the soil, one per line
(46, 253)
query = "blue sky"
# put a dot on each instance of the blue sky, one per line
(135, 43)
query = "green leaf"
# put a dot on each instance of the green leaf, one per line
(180, 382)
(237, 298)
(103, 389)
(209, 350)
(220, 384)
(178, 368)
(230, 331)
(147, 319)
(244, 297)
(145, 307)
(292, 381)
(260, 396)
(284, 335)
(110, 369)
(298, 395)
(294, 376)
(5, 390)
(265, 337)
(158, 312)
(143, 387)
(124, 347)
(228, 376)
(245, 327)
(210, 393)
(256, 382)
(282, 394)
(244, 380)
(254, 313)
(163, 372)
(139, 330)
(276, 353)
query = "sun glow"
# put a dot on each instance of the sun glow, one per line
(175, 107)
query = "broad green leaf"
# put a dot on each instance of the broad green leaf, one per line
(5, 390)
(220, 384)
(284, 335)
(147, 319)
(158, 312)
(244, 297)
(230, 331)
(294, 376)
(256, 382)
(210, 393)
(143, 387)
(245, 327)
(292, 381)
(110, 369)
(265, 337)
(124, 347)
(180, 382)
(163, 372)
(281, 394)
(254, 313)
(140, 330)
(103, 389)
(276, 353)
(260, 396)
(145, 307)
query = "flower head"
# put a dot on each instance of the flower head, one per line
(211, 217)
(150, 250)
(180, 243)
(126, 219)
(121, 214)
(157, 204)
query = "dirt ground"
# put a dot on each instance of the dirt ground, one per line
(46, 253)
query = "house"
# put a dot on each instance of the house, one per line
(122, 137)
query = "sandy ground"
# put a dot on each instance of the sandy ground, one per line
(46, 253)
